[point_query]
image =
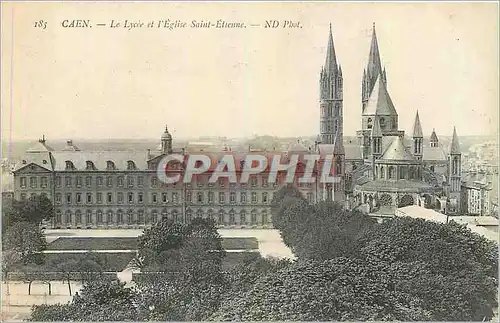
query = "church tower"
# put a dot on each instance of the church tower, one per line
(331, 97)
(372, 72)
(455, 169)
(166, 142)
(418, 138)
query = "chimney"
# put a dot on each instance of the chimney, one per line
(69, 142)
(148, 156)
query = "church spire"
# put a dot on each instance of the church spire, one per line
(417, 128)
(331, 58)
(455, 144)
(374, 65)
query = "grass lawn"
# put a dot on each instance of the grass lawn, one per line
(130, 243)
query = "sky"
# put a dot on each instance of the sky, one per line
(111, 83)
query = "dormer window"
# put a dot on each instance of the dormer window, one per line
(131, 165)
(110, 165)
(90, 165)
(24, 162)
(69, 165)
(44, 161)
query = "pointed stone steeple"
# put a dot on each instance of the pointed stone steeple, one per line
(331, 58)
(338, 144)
(455, 144)
(417, 128)
(374, 67)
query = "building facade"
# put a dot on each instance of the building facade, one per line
(96, 189)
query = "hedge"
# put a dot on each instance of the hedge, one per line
(109, 262)
(93, 243)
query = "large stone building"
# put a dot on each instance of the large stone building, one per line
(93, 189)
(387, 168)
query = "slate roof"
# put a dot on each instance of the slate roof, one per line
(380, 102)
(434, 154)
(397, 151)
(39, 147)
(99, 158)
(417, 128)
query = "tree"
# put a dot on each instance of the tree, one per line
(287, 191)
(97, 301)
(10, 261)
(36, 209)
(27, 240)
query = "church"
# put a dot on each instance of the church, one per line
(385, 168)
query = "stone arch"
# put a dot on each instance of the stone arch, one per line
(385, 200)
(406, 200)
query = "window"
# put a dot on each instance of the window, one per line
(264, 181)
(232, 197)
(140, 181)
(264, 217)
(382, 123)
(109, 181)
(89, 198)
(68, 198)
(78, 181)
(154, 198)
(210, 197)
(164, 197)
(254, 197)
(221, 197)
(130, 197)
(120, 197)
(130, 181)
(175, 197)
(164, 215)
(110, 165)
(99, 197)
(119, 217)
(199, 197)
(68, 217)
(154, 181)
(90, 165)
(131, 165)
(253, 217)
(232, 219)
(69, 165)
(44, 182)
(78, 217)
(140, 197)
(188, 197)
(99, 217)
(58, 198)
(130, 217)
(119, 181)
(58, 216)
(243, 197)
(140, 217)
(243, 217)
(33, 182)
(253, 181)
(221, 217)
(23, 182)
(88, 181)
(78, 198)
(58, 181)
(264, 197)
(221, 182)
(89, 217)
(154, 216)
(99, 181)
